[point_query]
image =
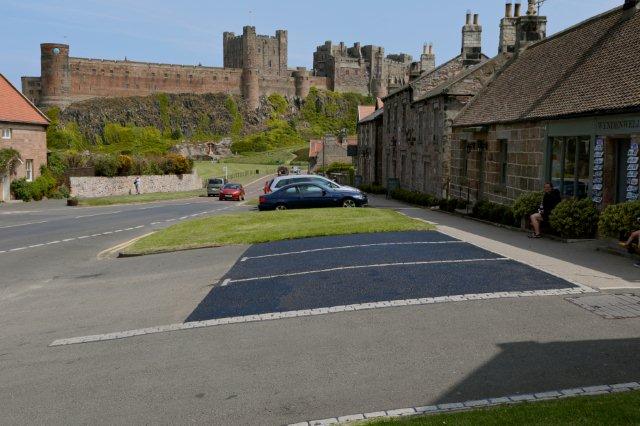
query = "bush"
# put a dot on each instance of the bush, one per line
(414, 197)
(373, 189)
(574, 218)
(494, 212)
(124, 165)
(527, 204)
(451, 204)
(21, 189)
(178, 164)
(619, 220)
(105, 165)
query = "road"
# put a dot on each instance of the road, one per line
(429, 346)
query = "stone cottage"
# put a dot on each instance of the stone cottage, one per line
(23, 127)
(566, 109)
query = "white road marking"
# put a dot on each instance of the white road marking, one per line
(350, 247)
(225, 282)
(22, 224)
(379, 265)
(98, 214)
(314, 312)
(18, 249)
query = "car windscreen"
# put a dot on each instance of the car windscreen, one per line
(215, 181)
(232, 186)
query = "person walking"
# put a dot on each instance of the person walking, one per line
(550, 200)
(635, 236)
(136, 183)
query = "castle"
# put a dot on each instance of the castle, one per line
(254, 66)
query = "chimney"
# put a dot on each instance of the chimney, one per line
(427, 59)
(530, 28)
(507, 31)
(471, 40)
(630, 4)
(518, 7)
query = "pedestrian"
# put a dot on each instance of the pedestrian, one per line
(550, 200)
(635, 236)
(136, 183)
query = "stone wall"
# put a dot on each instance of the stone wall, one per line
(90, 187)
(477, 162)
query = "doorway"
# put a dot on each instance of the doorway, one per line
(4, 188)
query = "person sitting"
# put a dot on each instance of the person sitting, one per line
(635, 236)
(550, 200)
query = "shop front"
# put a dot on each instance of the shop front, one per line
(595, 157)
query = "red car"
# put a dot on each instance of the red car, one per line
(232, 191)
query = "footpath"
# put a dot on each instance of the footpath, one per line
(580, 263)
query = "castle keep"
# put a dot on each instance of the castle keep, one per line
(254, 66)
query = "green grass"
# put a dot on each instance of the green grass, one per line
(260, 227)
(240, 173)
(142, 198)
(614, 409)
(274, 157)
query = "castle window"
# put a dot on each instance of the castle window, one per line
(166, 75)
(178, 76)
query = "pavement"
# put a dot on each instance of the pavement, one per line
(440, 346)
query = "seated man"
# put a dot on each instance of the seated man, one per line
(635, 236)
(550, 200)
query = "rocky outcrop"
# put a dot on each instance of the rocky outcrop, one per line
(204, 150)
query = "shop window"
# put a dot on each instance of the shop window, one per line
(29, 167)
(569, 165)
(504, 157)
(6, 133)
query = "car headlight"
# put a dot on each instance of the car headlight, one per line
(361, 196)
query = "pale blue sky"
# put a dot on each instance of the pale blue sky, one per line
(190, 31)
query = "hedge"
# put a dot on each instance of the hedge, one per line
(527, 204)
(415, 197)
(619, 220)
(373, 189)
(574, 218)
(43, 186)
(494, 212)
(124, 165)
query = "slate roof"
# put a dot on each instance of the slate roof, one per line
(591, 68)
(15, 108)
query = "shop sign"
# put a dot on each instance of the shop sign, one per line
(627, 125)
(598, 163)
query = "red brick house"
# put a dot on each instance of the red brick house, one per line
(23, 127)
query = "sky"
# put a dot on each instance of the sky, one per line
(190, 31)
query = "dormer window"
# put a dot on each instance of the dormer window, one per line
(6, 133)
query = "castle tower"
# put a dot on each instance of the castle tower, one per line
(508, 29)
(471, 40)
(250, 70)
(379, 88)
(530, 28)
(55, 75)
(283, 47)
(302, 83)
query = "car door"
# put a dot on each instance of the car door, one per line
(290, 197)
(313, 196)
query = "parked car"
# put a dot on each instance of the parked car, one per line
(214, 185)
(282, 181)
(311, 195)
(232, 191)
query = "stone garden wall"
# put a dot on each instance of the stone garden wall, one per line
(90, 187)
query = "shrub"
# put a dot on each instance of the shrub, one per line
(493, 212)
(451, 204)
(8, 160)
(373, 189)
(105, 165)
(178, 164)
(574, 218)
(414, 197)
(124, 165)
(527, 204)
(619, 220)
(21, 189)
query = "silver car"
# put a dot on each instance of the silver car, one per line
(214, 185)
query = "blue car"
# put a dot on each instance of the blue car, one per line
(311, 195)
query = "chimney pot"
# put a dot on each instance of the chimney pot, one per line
(507, 10)
(629, 4)
(475, 19)
(468, 17)
(517, 11)
(430, 48)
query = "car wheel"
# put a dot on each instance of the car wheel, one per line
(348, 203)
(281, 207)
(242, 198)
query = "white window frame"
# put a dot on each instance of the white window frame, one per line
(28, 165)
(6, 133)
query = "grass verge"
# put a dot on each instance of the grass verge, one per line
(260, 227)
(240, 173)
(613, 409)
(273, 157)
(142, 198)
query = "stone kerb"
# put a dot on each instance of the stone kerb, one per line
(91, 187)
